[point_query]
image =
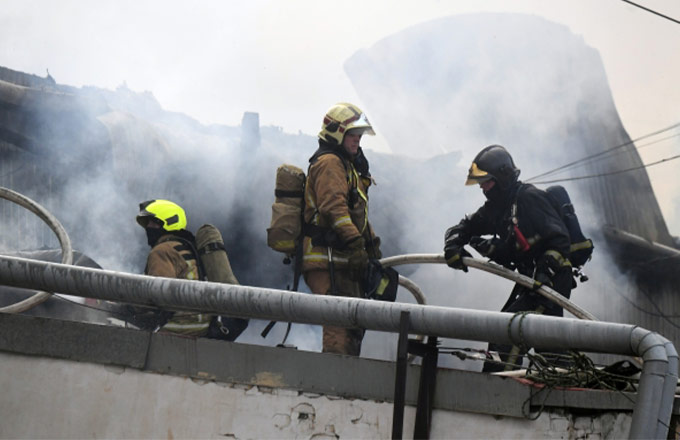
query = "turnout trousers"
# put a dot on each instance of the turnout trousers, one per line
(524, 300)
(338, 340)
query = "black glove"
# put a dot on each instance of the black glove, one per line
(485, 246)
(358, 258)
(493, 248)
(454, 240)
(454, 256)
(542, 279)
(548, 264)
(456, 234)
(374, 249)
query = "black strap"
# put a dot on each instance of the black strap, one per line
(192, 248)
(181, 247)
(212, 247)
(267, 329)
(283, 193)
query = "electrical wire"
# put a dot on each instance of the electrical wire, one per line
(567, 179)
(568, 370)
(652, 11)
(605, 152)
(619, 152)
(577, 371)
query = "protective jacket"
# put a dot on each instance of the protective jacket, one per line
(527, 224)
(174, 256)
(336, 206)
(531, 238)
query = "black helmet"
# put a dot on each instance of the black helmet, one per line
(493, 162)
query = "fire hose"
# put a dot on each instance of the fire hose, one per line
(496, 270)
(62, 236)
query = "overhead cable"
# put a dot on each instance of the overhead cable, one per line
(602, 153)
(668, 159)
(652, 11)
(638, 147)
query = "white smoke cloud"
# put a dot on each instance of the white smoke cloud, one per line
(208, 170)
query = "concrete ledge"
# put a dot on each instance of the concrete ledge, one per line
(276, 367)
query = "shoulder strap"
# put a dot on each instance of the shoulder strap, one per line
(322, 152)
(191, 247)
(521, 240)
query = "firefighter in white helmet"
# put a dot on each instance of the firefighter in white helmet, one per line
(339, 239)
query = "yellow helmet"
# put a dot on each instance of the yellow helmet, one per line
(170, 214)
(341, 118)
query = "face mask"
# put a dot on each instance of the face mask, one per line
(153, 234)
(495, 194)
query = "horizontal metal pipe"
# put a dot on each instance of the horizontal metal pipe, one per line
(627, 237)
(262, 303)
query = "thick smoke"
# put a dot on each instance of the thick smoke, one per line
(439, 93)
(445, 89)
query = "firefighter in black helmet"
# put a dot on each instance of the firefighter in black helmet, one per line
(517, 227)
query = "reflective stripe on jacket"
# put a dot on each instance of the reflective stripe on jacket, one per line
(172, 258)
(537, 220)
(330, 183)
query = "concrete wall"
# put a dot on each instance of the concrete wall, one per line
(64, 379)
(50, 398)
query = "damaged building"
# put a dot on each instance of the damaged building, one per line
(89, 156)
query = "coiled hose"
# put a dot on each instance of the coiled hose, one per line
(62, 236)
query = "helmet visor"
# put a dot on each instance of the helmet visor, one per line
(361, 126)
(477, 175)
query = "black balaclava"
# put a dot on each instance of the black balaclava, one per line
(361, 163)
(153, 234)
(501, 195)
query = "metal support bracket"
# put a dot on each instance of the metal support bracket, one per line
(400, 376)
(426, 388)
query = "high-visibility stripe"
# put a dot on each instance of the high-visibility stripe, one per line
(563, 262)
(323, 258)
(582, 245)
(310, 200)
(342, 221)
(363, 195)
(315, 258)
(197, 326)
(193, 270)
(284, 245)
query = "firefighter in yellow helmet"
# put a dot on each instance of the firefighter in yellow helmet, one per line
(173, 255)
(339, 239)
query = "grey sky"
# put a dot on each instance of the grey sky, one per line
(213, 59)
